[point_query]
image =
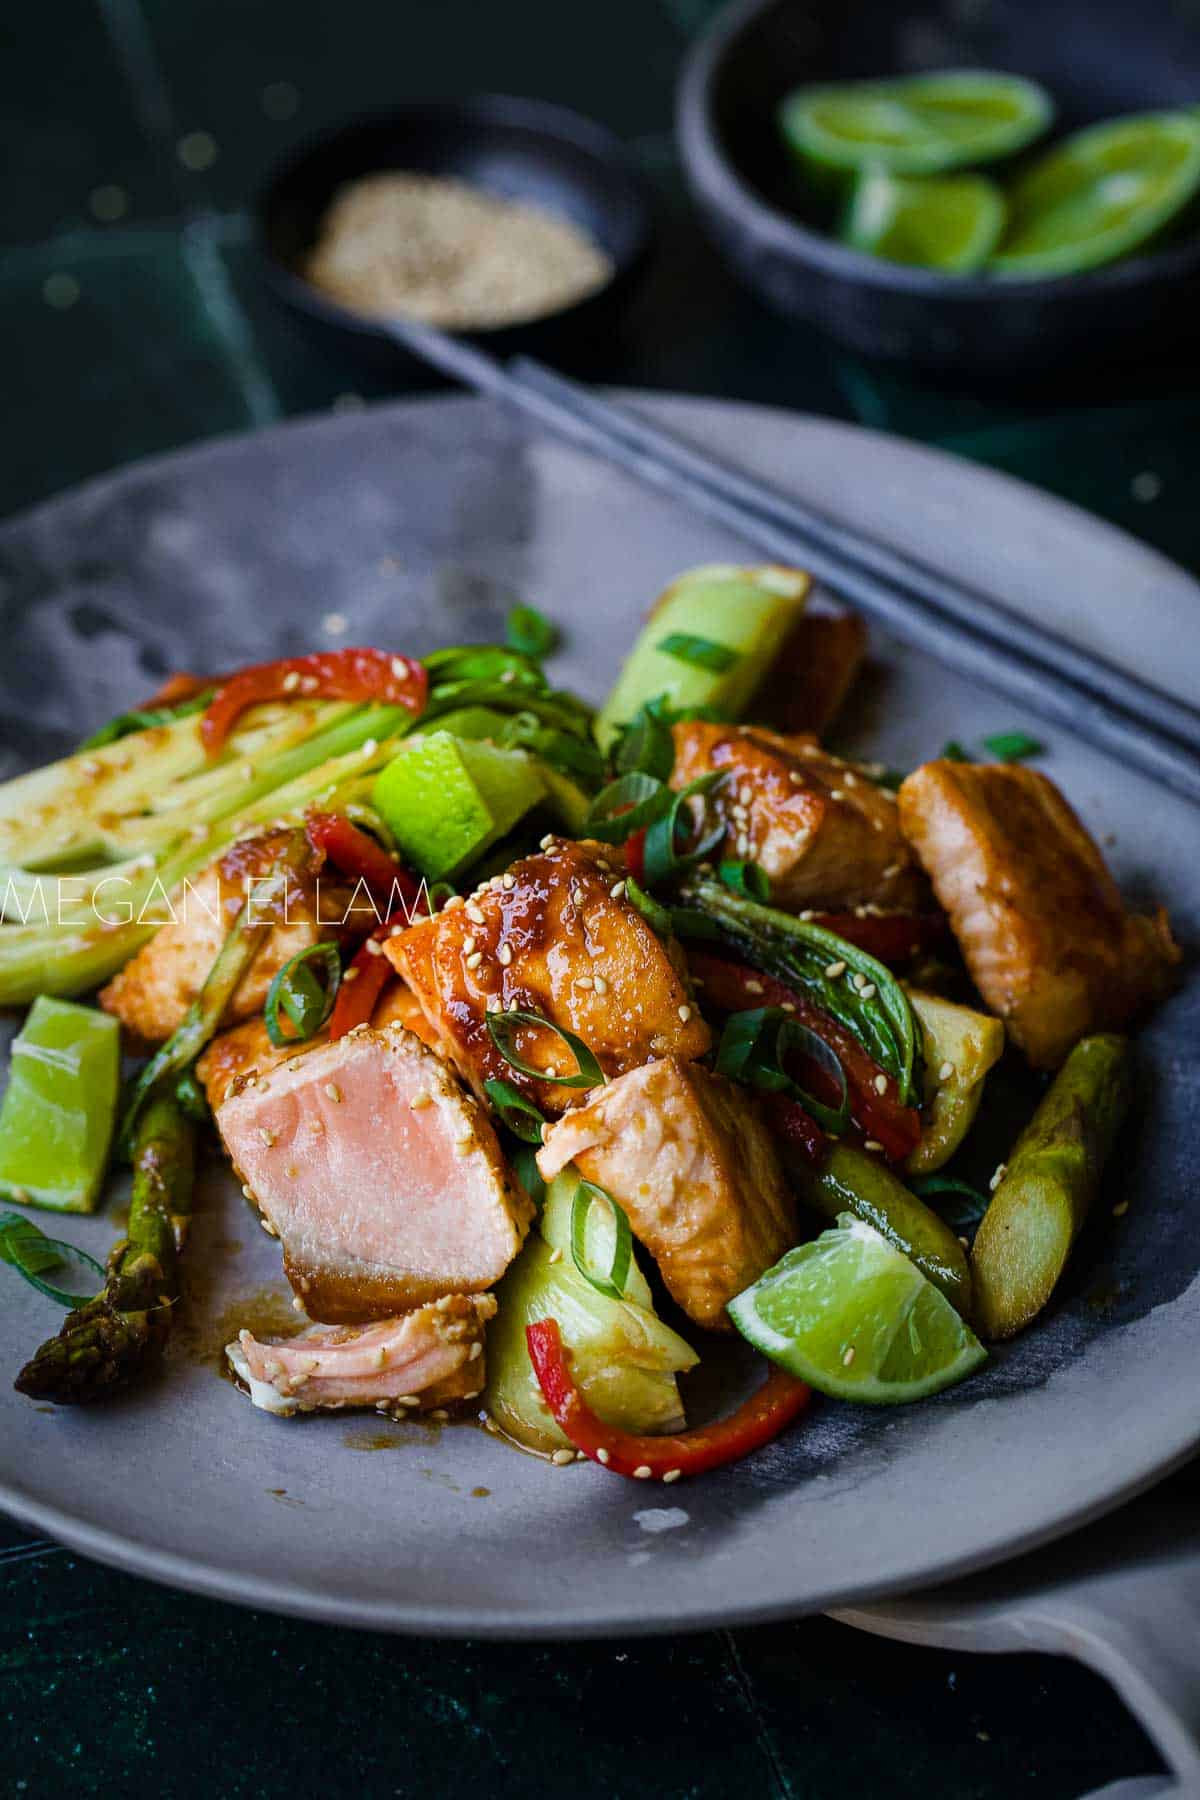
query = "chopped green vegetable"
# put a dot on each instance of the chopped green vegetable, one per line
(27, 1249)
(754, 1049)
(624, 1358)
(952, 751)
(530, 632)
(665, 857)
(961, 1045)
(646, 744)
(613, 1281)
(956, 1201)
(520, 1115)
(524, 1162)
(56, 1122)
(657, 917)
(746, 613)
(747, 878)
(447, 799)
(146, 719)
(1013, 746)
(625, 806)
(305, 1001)
(699, 652)
(503, 1027)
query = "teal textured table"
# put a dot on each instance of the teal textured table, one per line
(133, 323)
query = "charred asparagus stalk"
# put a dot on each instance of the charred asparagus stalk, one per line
(103, 1346)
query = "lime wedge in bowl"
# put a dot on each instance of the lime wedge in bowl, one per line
(917, 125)
(1100, 194)
(947, 222)
(854, 1318)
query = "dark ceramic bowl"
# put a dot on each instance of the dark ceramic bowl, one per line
(1097, 57)
(519, 149)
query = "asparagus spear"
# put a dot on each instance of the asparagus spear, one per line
(104, 1345)
(1043, 1197)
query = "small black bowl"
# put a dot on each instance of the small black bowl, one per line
(1098, 58)
(527, 150)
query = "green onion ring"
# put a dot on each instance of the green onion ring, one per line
(305, 1002)
(501, 1026)
(587, 1194)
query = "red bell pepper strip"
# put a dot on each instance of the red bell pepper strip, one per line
(365, 978)
(355, 854)
(733, 987)
(329, 674)
(891, 938)
(635, 855)
(789, 1120)
(780, 1400)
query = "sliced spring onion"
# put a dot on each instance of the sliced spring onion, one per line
(502, 1028)
(305, 1001)
(657, 917)
(27, 1249)
(747, 878)
(646, 744)
(1013, 746)
(530, 632)
(520, 1115)
(699, 652)
(662, 859)
(587, 1195)
(524, 1162)
(754, 1048)
(483, 662)
(193, 1103)
(952, 751)
(571, 754)
(143, 719)
(956, 1201)
(625, 806)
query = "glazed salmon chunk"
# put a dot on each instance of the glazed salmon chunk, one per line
(1041, 925)
(429, 1358)
(555, 936)
(688, 1157)
(825, 834)
(382, 1178)
(153, 991)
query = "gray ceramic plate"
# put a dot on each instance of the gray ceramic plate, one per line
(419, 523)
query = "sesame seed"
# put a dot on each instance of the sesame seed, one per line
(868, 990)
(268, 1137)
(369, 746)
(420, 1101)
(833, 970)
(334, 1091)
(469, 943)
(617, 891)
(440, 1414)
(848, 1358)
(474, 913)
(374, 947)
(268, 1228)
(585, 982)
(892, 869)
(851, 779)
(998, 1177)
(795, 777)
(601, 985)
(504, 955)
(1120, 1209)
(808, 914)
(463, 1144)
(563, 1457)
(291, 682)
(872, 1144)
(549, 841)
(247, 1191)
(297, 1304)
(788, 1006)
(742, 846)
(475, 958)
(672, 1474)
(836, 794)
(746, 794)
(475, 1352)
(350, 975)
(453, 903)
(753, 987)
(685, 1013)
(508, 881)
(946, 1072)
(643, 1472)
(881, 1084)
(556, 1256)
(602, 1455)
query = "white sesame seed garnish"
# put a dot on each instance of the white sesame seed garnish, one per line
(848, 1358)
(617, 891)
(469, 943)
(297, 1304)
(868, 990)
(508, 881)
(685, 1013)
(247, 1191)
(601, 984)
(291, 682)
(672, 1475)
(1120, 1209)
(374, 947)
(504, 955)
(881, 1084)
(892, 869)
(753, 987)
(555, 1256)
(602, 1455)
(643, 1472)
(946, 1072)
(475, 913)
(585, 982)
(268, 1137)
(369, 747)
(549, 841)
(833, 970)
(563, 1457)
(475, 958)
(475, 1352)
(836, 794)
(997, 1177)
(872, 1144)
(742, 846)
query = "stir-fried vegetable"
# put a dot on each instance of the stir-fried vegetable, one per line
(330, 674)
(25, 1247)
(304, 997)
(961, 1045)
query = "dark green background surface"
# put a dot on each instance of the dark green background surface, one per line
(129, 337)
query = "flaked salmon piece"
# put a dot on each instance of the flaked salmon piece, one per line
(381, 1177)
(810, 679)
(825, 834)
(687, 1155)
(1040, 922)
(431, 1357)
(556, 936)
(153, 991)
(247, 1050)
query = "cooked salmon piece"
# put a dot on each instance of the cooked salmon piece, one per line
(381, 1177)
(687, 1155)
(428, 1358)
(153, 991)
(810, 679)
(1041, 925)
(555, 936)
(824, 833)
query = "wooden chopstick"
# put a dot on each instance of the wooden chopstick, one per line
(1148, 730)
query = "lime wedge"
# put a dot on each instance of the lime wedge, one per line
(919, 125)
(1100, 194)
(948, 222)
(59, 1107)
(854, 1318)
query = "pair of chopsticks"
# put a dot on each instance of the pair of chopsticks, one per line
(964, 630)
